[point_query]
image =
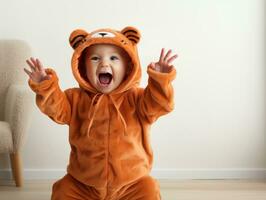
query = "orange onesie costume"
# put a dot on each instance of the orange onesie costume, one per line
(111, 155)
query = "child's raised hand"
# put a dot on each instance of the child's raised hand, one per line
(164, 63)
(37, 73)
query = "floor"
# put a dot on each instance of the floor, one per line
(170, 190)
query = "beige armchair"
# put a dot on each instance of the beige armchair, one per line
(16, 102)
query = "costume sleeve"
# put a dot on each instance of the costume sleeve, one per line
(157, 98)
(51, 100)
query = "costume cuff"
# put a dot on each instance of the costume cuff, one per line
(162, 78)
(45, 84)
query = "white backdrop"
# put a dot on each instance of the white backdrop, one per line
(217, 129)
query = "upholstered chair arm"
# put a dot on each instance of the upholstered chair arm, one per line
(19, 104)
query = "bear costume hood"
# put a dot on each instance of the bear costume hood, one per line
(127, 39)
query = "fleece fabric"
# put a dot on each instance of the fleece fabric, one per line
(109, 133)
(68, 188)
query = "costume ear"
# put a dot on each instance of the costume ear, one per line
(132, 34)
(76, 37)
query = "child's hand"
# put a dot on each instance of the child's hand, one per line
(37, 73)
(164, 63)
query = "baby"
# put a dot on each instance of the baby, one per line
(109, 116)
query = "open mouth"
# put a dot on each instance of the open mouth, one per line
(105, 78)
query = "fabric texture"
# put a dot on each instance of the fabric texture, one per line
(108, 133)
(68, 188)
(6, 143)
(16, 102)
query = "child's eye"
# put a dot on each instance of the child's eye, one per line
(114, 58)
(95, 58)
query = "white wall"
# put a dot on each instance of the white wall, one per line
(217, 129)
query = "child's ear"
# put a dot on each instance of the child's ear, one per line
(77, 37)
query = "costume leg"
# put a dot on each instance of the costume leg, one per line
(146, 188)
(69, 188)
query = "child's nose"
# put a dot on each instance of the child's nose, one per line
(105, 63)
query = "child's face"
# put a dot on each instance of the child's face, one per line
(106, 66)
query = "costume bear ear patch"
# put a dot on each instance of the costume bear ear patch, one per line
(132, 34)
(77, 37)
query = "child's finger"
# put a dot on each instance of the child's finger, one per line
(162, 55)
(31, 65)
(152, 65)
(170, 60)
(39, 64)
(167, 55)
(171, 68)
(48, 77)
(28, 72)
(33, 61)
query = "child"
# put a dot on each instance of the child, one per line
(109, 116)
